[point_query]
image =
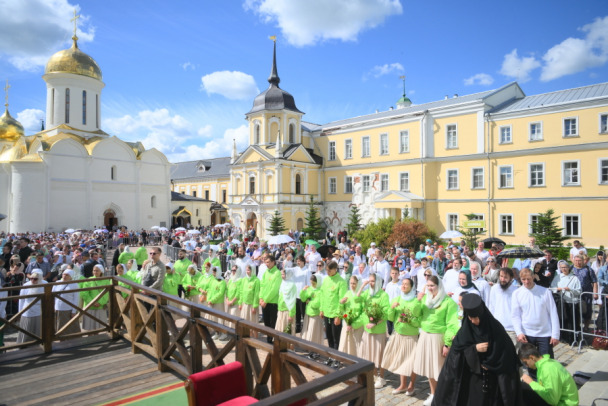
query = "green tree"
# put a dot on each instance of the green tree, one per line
(277, 224)
(547, 233)
(469, 235)
(376, 232)
(314, 228)
(354, 220)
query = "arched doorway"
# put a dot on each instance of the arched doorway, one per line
(252, 220)
(300, 224)
(109, 219)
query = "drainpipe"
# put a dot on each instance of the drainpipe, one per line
(423, 128)
(490, 177)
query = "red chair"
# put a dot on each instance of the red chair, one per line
(220, 386)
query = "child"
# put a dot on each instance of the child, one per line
(393, 289)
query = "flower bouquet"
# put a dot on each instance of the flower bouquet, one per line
(406, 316)
(287, 329)
(374, 312)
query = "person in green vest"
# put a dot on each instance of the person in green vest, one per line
(269, 293)
(374, 334)
(333, 288)
(313, 323)
(288, 293)
(399, 353)
(120, 271)
(132, 272)
(233, 291)
(351, 308)
(216, 293)
(140, 255)
(555, 385)
(125, 256)
(249, 297)
(98, 308)
(190, 284)
(213, 259)
(203, 282)
(181, 269)
(172, 280)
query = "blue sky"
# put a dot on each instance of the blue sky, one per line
(181, 75)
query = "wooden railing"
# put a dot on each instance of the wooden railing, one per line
(177, 333)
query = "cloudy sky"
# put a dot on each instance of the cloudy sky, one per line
(181, 75)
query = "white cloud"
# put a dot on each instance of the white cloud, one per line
(575, 55)
(214, 148)
(31, 31)
(30, 119)
(518, 68)
(306, 22)
(188, 65)
(381, 70)
(482, 79)
(232, 85)
(205, 132)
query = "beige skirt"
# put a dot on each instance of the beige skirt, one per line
(193, 299)
(399, 354)
(233, 311)
(429, 358)
(248, 314)
(216, 306)
(350, 341)
(32, 325)
(372, 347)
(313, 329)
(63, 316)
(90, 324)
(282, 322)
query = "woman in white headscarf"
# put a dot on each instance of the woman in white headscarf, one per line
(567, 284)
(98, 308)
(438, 325)
(351, 306)
(31, 318)
(233, 291)
(313, 323)
(216, 294)
(288, 294)
(63, 311)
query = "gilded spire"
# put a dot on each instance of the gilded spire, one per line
(274, 76)
(75, 21)
(6, 94)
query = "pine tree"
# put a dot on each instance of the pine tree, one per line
(277, 224)
(313, 227)
(547, 233)
(354, 220)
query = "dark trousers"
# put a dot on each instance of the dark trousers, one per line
(544, 347)
(390, 326)
(530, 397)
(332, 332)
(300, 312)
(269, 313)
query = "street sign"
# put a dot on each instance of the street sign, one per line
(474, 224)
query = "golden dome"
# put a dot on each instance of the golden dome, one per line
(73, 61)
(10, 129)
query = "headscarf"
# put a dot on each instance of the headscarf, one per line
(218, 273)
(412, 293)
(100, 267)
(237, 275)
(434, 302)
(69, 272)
(377, 286)
(358, 278)
(288, 289)
(38, 289)
(559, 265)
(470, 283)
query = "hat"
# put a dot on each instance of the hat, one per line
(169, 265)
(472, 305)
(69, 272)
(429, 240)
(373, 244)
(337, 252)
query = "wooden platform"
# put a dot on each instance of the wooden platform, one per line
(88, 371)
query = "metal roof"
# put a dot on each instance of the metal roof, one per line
(214, 168)
(578, 94)
(182, 197)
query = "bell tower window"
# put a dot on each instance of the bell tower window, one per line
(292, 134)
(67, 105)
(84, 107)
(256, 134)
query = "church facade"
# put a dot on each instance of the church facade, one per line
(73, 174)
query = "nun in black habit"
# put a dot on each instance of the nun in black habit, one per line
(482, 367)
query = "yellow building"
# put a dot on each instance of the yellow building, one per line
(499, 154)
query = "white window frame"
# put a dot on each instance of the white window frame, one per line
(578, 166)
(384, 144)
(576, 133)
(369, 147)
(540, 135)
(483, 178)
(366, 186)
(348, 152)
(500, 185)
(331, 155)
(501, 231)
(404, 146)
(578, 215)
(530, 221)
(384, 176)
(605, 130)
(500, 138)
(599, 171)
(348, 182)
(407, 189)
(543, 183)
(447, 222)
(332, 183)
(447, 136)
(447, 179)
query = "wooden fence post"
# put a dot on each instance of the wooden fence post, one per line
(196, 341)
(48, 318)
(136, 321)
(162, 333)
(113, 311)
(243, 333)
(281, 380)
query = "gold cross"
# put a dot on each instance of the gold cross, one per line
(273, 37)
(6, 93)
(76, 17)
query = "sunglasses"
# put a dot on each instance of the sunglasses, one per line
(33, 279)
(427, 274)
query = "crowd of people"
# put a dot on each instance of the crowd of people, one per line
(447, 313)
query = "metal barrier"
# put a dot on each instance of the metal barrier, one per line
(600, 321)
(197, 258)
(568, 310)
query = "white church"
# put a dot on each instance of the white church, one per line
(73, 174)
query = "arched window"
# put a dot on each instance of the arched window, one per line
(300, 224)
(113, 173)
(256, 134)
(292, 133)
(153, 202)
(67, 105)
(252, 185)
(52, 107)
(298, 184)
(84, 107)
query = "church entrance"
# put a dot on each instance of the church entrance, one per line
(252, 221)
(109, 219)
